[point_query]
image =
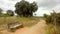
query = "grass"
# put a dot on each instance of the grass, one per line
(49, 29)
(25, 21)
(52, 29)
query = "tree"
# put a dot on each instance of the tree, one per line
(54, 18)
(35, 14)
(1, 12)
(24, 8)
(10, 13)
(58, 18)
(47, 18)
(45, 15)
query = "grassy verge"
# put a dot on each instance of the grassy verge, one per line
(52, 29)
(25, 21)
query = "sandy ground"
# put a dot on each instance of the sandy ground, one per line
(39, 28)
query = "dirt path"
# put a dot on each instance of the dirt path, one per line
(39, 28)
(36, 29)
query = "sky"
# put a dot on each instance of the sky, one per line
(44, 6)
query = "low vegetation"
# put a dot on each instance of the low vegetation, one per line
(25, 21)
(24, 12)
(54, 21)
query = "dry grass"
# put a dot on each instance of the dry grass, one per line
(25, 21)
(52, 29)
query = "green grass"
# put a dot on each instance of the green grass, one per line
(29, 21)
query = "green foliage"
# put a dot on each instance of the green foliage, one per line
(24, 8)
(45, 15)
(10, 13)
(52, 17)
(1, 12)
(35, 14)
(47, 18)
(58, 18)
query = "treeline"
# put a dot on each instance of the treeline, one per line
(23, 9)
(8, 13)
(53, 18)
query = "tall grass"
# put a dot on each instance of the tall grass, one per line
(25, 21)
(52, 29)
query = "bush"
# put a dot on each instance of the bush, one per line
(51, 18)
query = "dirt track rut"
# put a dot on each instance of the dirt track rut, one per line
(39, 28)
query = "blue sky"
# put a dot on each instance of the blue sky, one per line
(44, 6)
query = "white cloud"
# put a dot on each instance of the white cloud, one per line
(45, 6)
(42, 11)
(57, 8)
(48, 3)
